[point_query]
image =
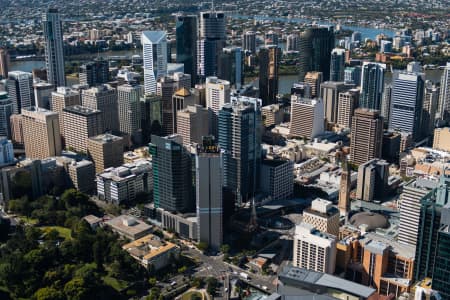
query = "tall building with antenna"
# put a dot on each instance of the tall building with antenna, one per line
(54, 50)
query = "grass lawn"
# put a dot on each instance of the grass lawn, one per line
(188, 295)
(118, 285)
(27, 220)
(63, 232)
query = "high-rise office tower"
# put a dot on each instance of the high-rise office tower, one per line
(54, 50)
(211, 42)
(180, 100)
(154, 45)
(292, 42)
(352, 75)
(103, 98)
(151, 116)
(80, 123)
(372, 85)
(6, 110)
(307, 117)
(276, 178)
(41, 134)
(268, 74)
(444, 97)
(6, 151)
(186, 35)
(231, 66)
(4, 63)
(129, 104)
(372, 180)
(407, 103)
(367, 135)
(344, 191)
(239, 131)
(193, 124)
(410, 205)
(16, 129)
(347, 103)
(329, 92)
(166, 87)
(172, 174)
(249, 41)
(386, 104)
(43, 94)
(337, 65)
(441, 271)
(62, 98)
(217, 95)
(314, 250)
(430, 105)
(314, 79)
(20, 90)
(94, 73)
(271, 38)
(315, 45)
(301, 89)
(105, 150)
(209, 184)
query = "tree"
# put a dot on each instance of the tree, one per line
(225, 249)
(48, 293)
(76, 290)
(211, 285)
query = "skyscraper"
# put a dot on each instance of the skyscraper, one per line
(337, 64)
(217, 95)
(193, 124)
(367, 135)
(43, 94)
(154, 45)
(372, 180)
(105, 150)
(444, 98)
(268, 74)
(347, 103)
(20, 90)
(307, 117)
(103, 98)
(352, 75)
(166, 87)
(41, 134)
(271, 38)
(314, 250)
(329, 92)
(386, 104)
(151, 116)
(211, 42)
(4, 63)
(292, 42)
(239, 131)
(54, 50)
(186, 35)
(62, 98)
(249, 41)
(372, 85)
(129, 104)
(6, 110)
(172, 174)
(80, 123)
(430, 105)
(315, 45)
(407, 103)
(209, 183)
(441, 271)
(231, 66)
(94, 73)
(314, 79)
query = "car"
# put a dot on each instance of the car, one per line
(173, 283)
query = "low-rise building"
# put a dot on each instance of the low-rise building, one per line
(129, 227)
(123, 183)
(152, 252)
(323, 216)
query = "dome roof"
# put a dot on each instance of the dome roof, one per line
(372, 220)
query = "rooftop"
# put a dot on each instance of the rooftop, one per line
(128, 225)
(106, 138)
(308, 277)
(148, 247)
(81, 110)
